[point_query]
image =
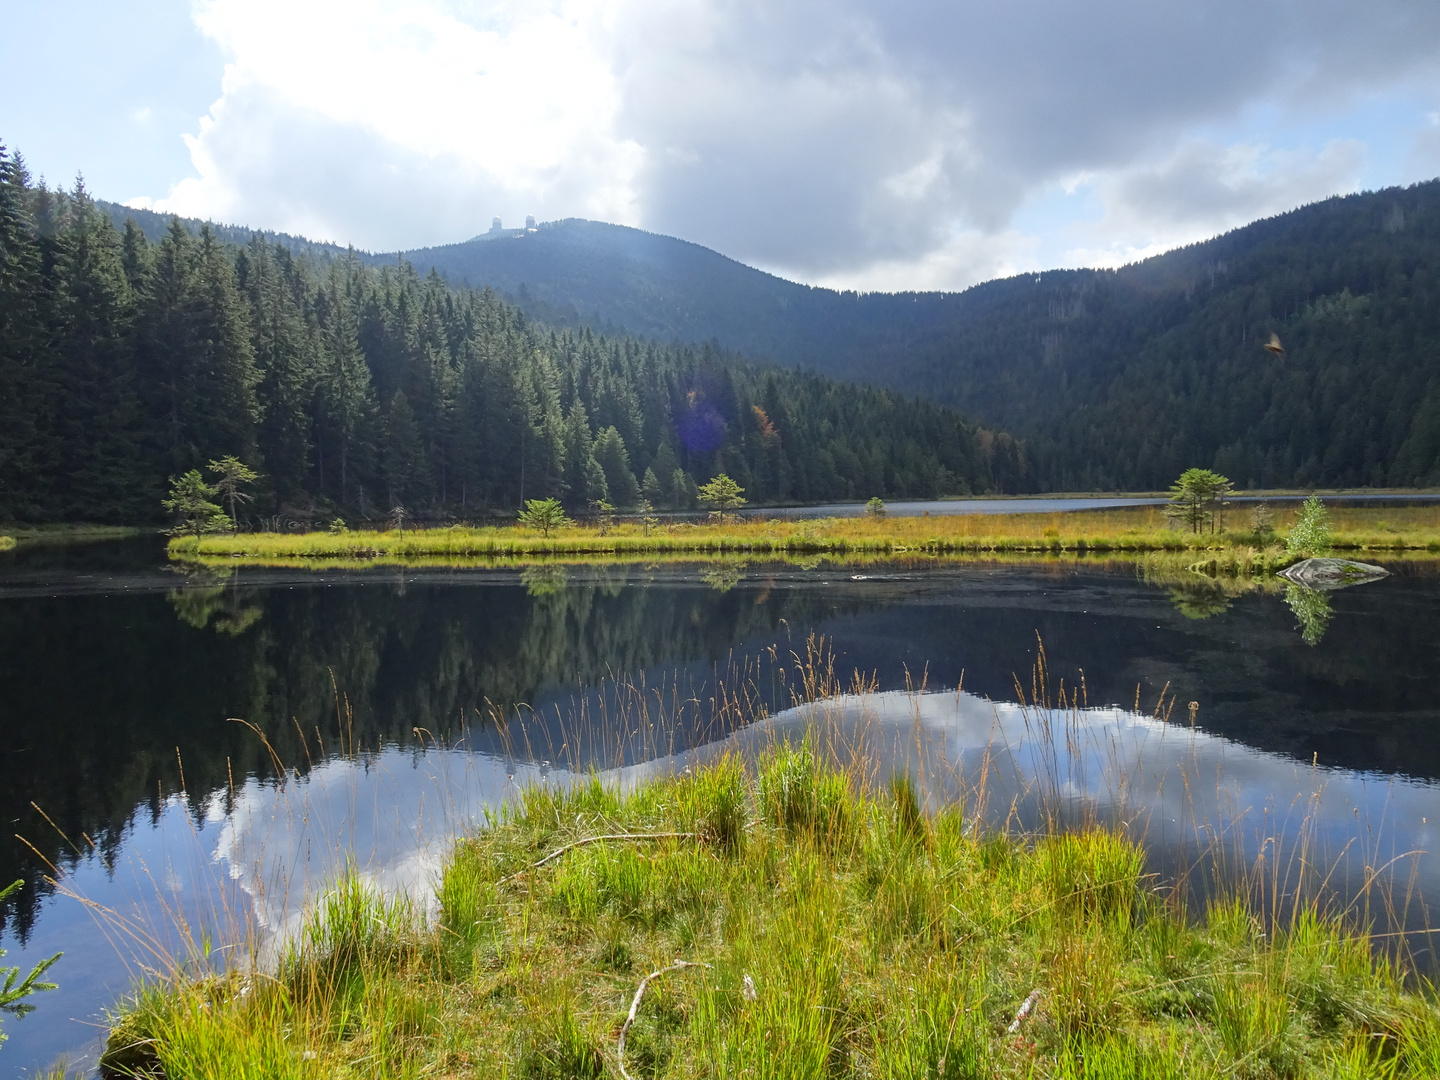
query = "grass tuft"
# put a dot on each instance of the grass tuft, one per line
(831, 930)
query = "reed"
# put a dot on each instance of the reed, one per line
(831, 922)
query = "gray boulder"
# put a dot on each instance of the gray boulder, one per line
(1332, 573)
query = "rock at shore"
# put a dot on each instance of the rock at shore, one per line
(1332, 573)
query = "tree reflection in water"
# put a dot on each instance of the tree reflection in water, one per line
(1312, 609)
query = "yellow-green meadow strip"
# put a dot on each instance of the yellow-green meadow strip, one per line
(798, 923)
(1121, 532)
(69, 533)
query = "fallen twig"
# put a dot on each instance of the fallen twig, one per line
(1023, 1014)
(635, 1006)
(595, 840)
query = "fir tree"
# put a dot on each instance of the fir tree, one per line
(22, 341)
(405, 470)
(615, 463)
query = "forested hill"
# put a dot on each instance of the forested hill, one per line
(355, 389)
(1120, 379)
(1114, 379)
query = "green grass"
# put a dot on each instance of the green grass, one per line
(880, 942)
(67, 533)
(1127, 532)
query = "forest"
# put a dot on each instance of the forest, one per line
(1123, 379)
(355, 388)
(1115, 379)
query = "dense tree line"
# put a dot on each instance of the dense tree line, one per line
(356, 388)
(1114, 379)
(1123, 379)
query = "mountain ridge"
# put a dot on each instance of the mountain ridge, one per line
(1115, 378)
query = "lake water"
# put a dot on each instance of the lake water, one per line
(1044, 504)
(120, 676)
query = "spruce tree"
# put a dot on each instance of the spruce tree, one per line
(346, 398)
(285, 359)
(227, 408)
(650, 488)
(22, 341)
(92, 411)
(615, 463)
(404, 467)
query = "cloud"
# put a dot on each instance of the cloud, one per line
(1203, 188)
(850, 141)
(397, 125)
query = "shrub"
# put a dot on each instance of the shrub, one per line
(1311, 534)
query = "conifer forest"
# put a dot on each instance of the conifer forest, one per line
(356, 389)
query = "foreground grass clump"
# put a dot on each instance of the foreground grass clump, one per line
(1130, 530)
(826, 933)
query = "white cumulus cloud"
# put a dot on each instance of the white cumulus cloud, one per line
(853, 142)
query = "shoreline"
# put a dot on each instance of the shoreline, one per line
(799, 915)
(1127, 533)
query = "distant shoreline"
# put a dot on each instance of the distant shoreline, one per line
(1124, 532)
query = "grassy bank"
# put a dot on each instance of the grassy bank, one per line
(1356, 531)
(824, 929)
(67, 533)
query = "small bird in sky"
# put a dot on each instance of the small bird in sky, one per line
(1274, 346)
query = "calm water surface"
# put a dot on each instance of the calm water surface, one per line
(1051, 505)
(117, 674)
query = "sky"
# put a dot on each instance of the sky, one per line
(870, 144)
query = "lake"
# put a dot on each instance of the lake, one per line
(124, 681)
(1049, 504)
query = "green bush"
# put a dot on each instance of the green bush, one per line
(1310, 535)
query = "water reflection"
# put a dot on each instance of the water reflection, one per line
(208, 595)
(1200, 600)
(1312, 610)
(117, 674)
(1193, 798)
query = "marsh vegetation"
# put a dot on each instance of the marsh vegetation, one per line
(1250, 539)
(797, 921)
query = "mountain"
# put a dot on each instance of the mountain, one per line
(1114, 379)
(357, 389)
(616, 279)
